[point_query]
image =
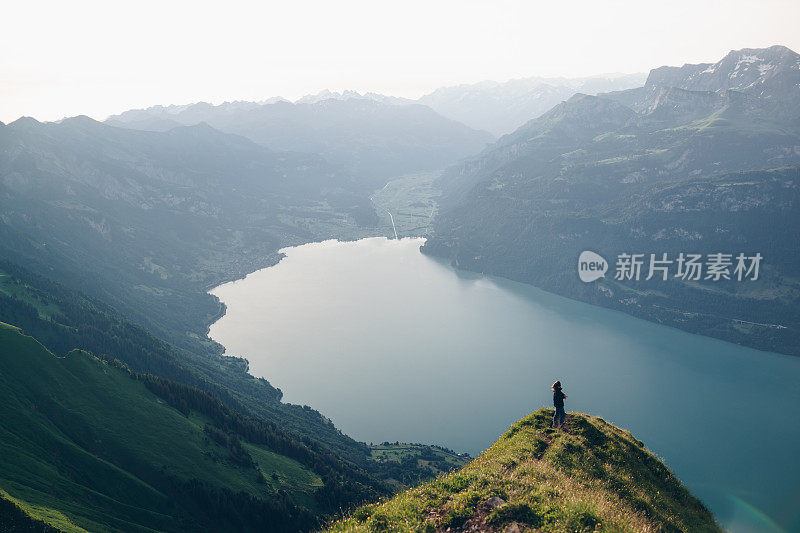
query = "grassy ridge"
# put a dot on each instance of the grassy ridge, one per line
(21, 517)
(590, 477)
(404, 465)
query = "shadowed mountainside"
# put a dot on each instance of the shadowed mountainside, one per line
(705, 164)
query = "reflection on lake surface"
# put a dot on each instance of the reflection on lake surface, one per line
(393, 345)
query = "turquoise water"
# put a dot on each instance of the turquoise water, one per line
(393, 345)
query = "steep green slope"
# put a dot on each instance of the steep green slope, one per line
(63, 319)
(145, 223)
(148, 221)
(592, 476)
(85, 442)
(21, 517)
(405, 464)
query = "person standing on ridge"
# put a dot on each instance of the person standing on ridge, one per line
(558, 403)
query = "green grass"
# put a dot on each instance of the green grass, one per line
(13, 288)
(283, 473)
(41, 515)
(405, 465)
(83, 445)
(591, 476)
(399, 452)
(412, 202)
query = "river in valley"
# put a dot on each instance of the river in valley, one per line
(394, 345)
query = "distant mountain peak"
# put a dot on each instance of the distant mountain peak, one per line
(761, 71)
(199, 128)
(24, 122)
(500, 108)
(80, 121)
(326, 94)
(578, 97)
(770, 52)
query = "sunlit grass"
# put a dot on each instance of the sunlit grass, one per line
(591, 477)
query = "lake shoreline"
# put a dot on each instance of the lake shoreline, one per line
(339, 324)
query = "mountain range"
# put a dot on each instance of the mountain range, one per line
(372, 138)
(702, 158)
(110, 239)
(119, 413)
(148, 220)
(501, 108)
(383, 135)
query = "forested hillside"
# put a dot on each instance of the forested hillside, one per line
(63, 320)
(148, 221)
(661, 169)
(86, 440)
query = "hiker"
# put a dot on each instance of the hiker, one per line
(558, 403)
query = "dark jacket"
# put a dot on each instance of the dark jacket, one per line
(558, 398)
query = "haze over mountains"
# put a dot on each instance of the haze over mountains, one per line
(501, 108)
(103, 196)
(649, 170)
(372, 138)
(141, 219)
(369, 133)
(112, 233)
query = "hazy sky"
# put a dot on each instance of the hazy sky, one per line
(63, 58)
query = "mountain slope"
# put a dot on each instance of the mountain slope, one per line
(83, 438)
(501, 108)
(766, 72)
(593, 173)
(590, 477)
(63, 320)
(375, 140)
(143, 223)
(148, 221)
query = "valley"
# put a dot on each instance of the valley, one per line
(412, 202)
(405, 347)
(207, 311)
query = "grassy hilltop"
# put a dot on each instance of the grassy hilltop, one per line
(592, 476)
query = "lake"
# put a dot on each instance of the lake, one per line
(394, 345)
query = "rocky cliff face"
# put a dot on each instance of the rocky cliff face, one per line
(766, 72)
